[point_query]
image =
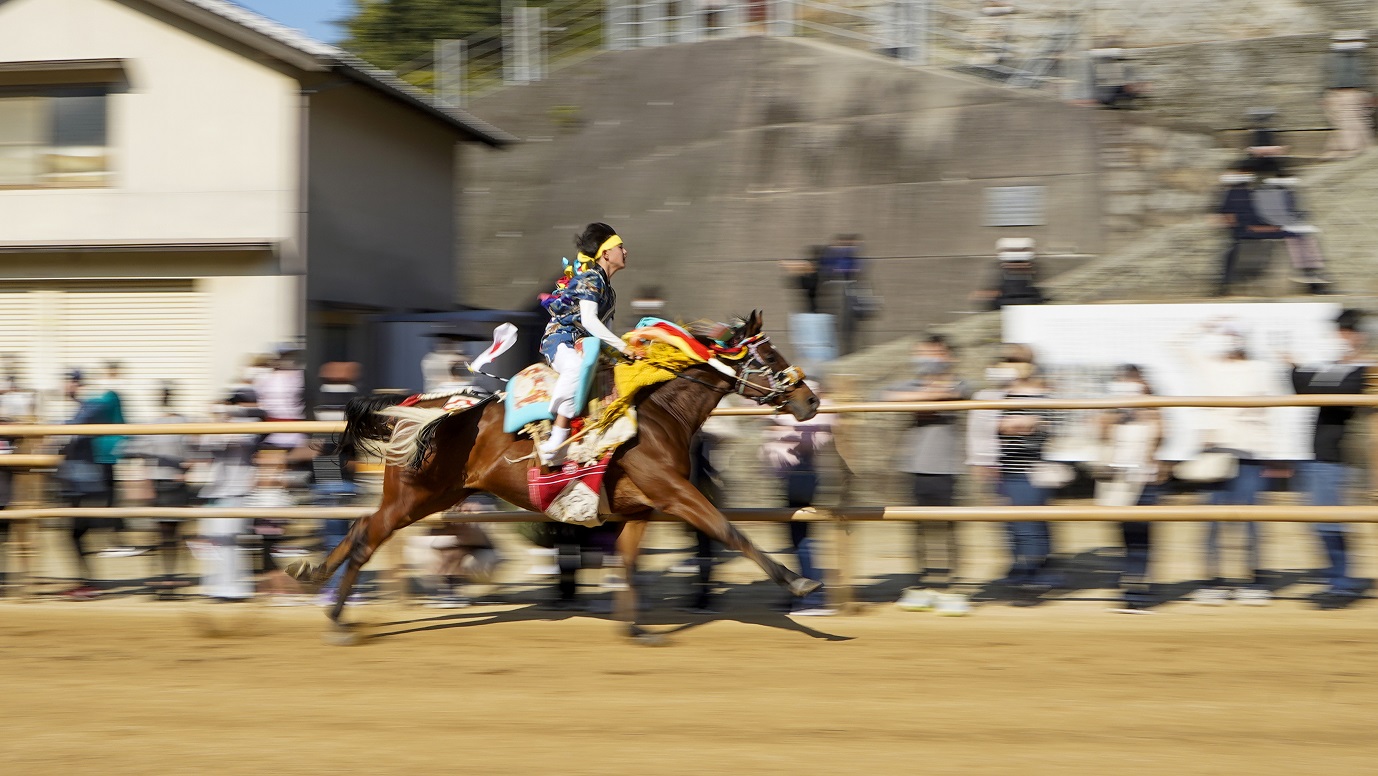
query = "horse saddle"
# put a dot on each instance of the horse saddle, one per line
(529, 391)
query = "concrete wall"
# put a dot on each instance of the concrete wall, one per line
(203, 140)
(717, 159)
(381, 203)
(1208, 86)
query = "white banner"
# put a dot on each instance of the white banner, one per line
(1080, 346)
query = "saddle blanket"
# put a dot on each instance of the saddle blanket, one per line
(569, 495)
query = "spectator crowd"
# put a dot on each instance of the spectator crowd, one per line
(980, 457)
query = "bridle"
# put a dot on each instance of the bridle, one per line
(778, 383)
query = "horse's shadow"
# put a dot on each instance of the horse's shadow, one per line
(659, 615)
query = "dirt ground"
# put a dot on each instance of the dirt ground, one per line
(138, 687)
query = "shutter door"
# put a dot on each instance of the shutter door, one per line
(157, 330)
(19, 337)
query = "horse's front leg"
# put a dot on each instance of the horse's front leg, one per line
(679, 498)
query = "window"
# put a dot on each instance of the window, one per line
(55, 136)
(1015, 206)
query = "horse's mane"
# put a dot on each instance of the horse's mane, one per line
(676, 396)
(715, 333)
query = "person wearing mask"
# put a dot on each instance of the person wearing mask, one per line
(982, 439)
(1219, 360)
(931, 455)
(1131, 475)
(1022, 435)
(1329, 474)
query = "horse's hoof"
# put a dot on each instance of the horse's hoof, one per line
(645, 639)
(802, 586)
(341, 636)
(300, 569)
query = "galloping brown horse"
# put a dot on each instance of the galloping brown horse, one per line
(438, 462)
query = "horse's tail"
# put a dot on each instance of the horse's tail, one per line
(365, 428)
(413, 430)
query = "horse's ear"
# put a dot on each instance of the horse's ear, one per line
(753, 324)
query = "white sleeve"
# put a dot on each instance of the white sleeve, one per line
(588, 318)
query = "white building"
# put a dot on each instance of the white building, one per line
(184, 183)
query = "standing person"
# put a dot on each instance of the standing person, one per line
(581, 306)
(232, 479)
(1132, 437)
(1348, 95)
(1016, 277)
(166, 457)
(791, 450)
(1331, 471)
(1115, 85)
(1237, 214)
(841, 272)
(438, 365)
(87, 474)
(1221, 363)
(807, 274)
(6, 493)
(1277, 204)
(332, 478)
(931, 456)
(1023, 433)
(281, 395)
(983, 441)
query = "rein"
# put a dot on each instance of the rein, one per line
(780, 382)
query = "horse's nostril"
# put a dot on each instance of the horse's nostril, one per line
(813, 401)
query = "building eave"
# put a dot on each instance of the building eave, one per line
(300, 51)
(127, 246)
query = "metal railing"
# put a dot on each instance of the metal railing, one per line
(1024, 44)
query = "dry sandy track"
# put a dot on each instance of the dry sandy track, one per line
(134, 688)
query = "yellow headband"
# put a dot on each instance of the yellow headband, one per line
(611, 242)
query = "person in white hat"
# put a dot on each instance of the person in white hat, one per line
(1016, 277)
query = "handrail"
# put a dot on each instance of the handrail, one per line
(335, 427)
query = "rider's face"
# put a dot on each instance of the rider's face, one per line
(615, 258)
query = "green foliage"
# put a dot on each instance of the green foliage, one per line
(391, 33)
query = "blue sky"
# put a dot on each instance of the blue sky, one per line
(312, 17)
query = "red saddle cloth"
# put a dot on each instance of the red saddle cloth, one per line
(544, 488)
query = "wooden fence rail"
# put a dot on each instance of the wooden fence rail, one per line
(333, 427)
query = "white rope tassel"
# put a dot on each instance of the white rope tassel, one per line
(401, 449)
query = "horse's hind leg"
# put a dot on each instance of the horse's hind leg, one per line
(369, 533)
(628, 599)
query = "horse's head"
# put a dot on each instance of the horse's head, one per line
(764, 375)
